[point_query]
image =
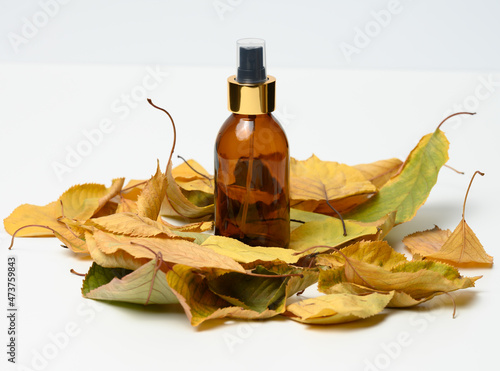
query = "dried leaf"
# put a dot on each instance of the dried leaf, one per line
(408, 190)
(177, 205)
(83, 201)
(118, 259)
(337, 308)
(462, 248)
(49, 216)
(380, 172)
(151, 197)
(173, 250)
(200, 303)
(420, 280)
(131, 224)
(210, 294)
(327, 232)
(426, 242)
(377, 253)
(244, 253)
(313, 180)
(192, 180)
(146, 285)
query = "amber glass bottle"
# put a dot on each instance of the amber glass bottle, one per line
(252, 158)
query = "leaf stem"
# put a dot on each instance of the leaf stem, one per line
(468, 188)
(76, 273)
(334, 209)
(455, 170)
(173, 126)
(133, 186)
(275, 275)
(196, 171)
(455, 114)
(27, 226)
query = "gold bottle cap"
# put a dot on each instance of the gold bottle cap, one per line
(251, 99)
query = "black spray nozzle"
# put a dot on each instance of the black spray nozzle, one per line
(251, 61)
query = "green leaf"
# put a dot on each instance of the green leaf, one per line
(98, 276)
(146, 285)
(408, 190)
(250, 292)
(328, 232)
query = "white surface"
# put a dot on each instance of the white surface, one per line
(402, 34)
(346, 116)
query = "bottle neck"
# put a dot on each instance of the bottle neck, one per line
(246, 99)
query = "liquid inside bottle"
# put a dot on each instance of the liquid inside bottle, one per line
(252, 181)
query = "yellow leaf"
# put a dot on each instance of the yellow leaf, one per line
(377, 253)
(173, 250)
(337, 308)
(380, 172)
(190, 180)
(151, 197)
(50, 217)
(420, 280)
(118, 259)
(177, 205)
(426, 242)
(131, 224)
(244, 253)
(462, 248)
(83, 201)
(190, 227)
(318, 180)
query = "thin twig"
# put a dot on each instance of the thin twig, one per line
(133, 186)
(196, 171)
(455, 170)
(450, 116)
(334, 209)
(173, 126)
(27, 226)
(76, 273)
(468, 188)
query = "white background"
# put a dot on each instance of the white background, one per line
(82, 67)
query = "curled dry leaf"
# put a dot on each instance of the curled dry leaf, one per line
(337, 308)
(176, 204)
(413, 282)
(151, 197)
(211, 294)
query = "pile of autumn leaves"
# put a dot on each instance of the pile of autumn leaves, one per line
(140, 258)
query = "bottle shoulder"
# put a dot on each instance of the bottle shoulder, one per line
(265, 127)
